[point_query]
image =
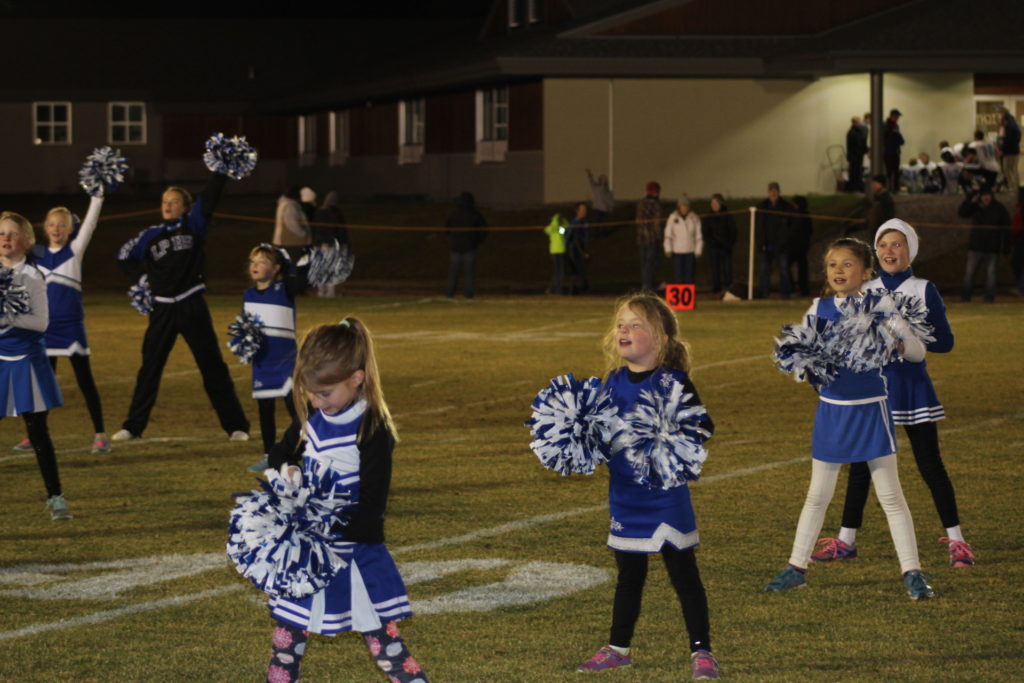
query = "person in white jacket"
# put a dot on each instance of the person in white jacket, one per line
(683, 242)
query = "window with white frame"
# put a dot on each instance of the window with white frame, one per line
(307, 139)
(126, 123)
(491, 124)
(411, 130)
(339, 136)
(51, 123)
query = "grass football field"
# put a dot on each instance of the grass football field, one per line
(505, 561)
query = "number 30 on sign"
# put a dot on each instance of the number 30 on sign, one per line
(681, 297)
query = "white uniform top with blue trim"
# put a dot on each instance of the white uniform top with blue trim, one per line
(912, 396)
(273, 365)
(62, 270)
(369, 591)
(853, 422)
(27, 382)
(645, 519)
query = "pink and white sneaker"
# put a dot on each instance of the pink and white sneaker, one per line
(606, 658)
(834, 549)
(961, 555)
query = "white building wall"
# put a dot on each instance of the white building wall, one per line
(732, 136)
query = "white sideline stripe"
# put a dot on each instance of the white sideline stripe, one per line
(107, 615)
(732, 361)
(120, 444)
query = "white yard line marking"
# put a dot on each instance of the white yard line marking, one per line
(733, 361)
(107, 615)
(120, 445)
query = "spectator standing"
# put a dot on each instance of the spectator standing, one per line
(648, 234)
(576, 250)
(802, 227)
(775, 231)
(683, 242)
(291, 228)
(892, 141)
(719, 229)
(856, 148)
(988, 237)
(307, 198)
(556, 231)
(1009, 151)
(604, 200)
(463, 244)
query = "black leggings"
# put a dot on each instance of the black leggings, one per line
(87, 385)
(924, 441)
(682, 571)
(268, 421)
(39, 435)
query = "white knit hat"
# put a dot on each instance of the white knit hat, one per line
(903, 227)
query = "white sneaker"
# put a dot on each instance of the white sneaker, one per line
(123, 435)
(238, 435)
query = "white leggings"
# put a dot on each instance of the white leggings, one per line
(886, 479)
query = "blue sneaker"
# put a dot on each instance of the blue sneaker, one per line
(917, 585)
(788, 579)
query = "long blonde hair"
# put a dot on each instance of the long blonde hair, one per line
(673, 352)
(332, 353)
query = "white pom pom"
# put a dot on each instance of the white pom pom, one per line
(572, 424)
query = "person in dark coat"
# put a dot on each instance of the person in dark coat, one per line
(802, 226)
(775, 234)
(989, 237)
(328, 227)
(856, 148)
(719, 232)
(892, 142)
(463, 244)
(1009, 151)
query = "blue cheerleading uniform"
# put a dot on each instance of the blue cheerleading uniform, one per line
(273, 364)
(912, 396)
(62, 270)
(27, 382)
(368, 592)
(853, 422)
(644, 519)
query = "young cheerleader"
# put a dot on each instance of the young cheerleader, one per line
(853, 424)
(913, 402)
(347, 441)
(60, 262)
(644, 348)
(272, 298)
(28, 386)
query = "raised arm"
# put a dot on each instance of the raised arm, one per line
(81, 241)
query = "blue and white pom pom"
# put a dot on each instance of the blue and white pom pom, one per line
(234, 156)
(571, 425)
(330, 266)
(246, 336)
(14, 298)
(103, 171)
(662, 437)
(799, 352)
(915, 312)
(280, 537)
(861, 340)
(141, 296)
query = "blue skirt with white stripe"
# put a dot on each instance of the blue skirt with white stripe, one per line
(28, 385)
(911, 395)
(66, 338)
(853, 431)
(364, 596)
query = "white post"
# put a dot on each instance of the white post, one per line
(611, 134)
(750, 264)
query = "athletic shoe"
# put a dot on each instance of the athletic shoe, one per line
(606, 658)
(260, 466)
(704, 665)
(834, 549)
(961, 555)
(23, 445)
(58, 507)
(788, 579)
(124, 435)
(238, 435)
(101, 445)
(917, 586)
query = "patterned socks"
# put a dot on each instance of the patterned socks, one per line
(392, 656)
(385, 645)
(289, 644)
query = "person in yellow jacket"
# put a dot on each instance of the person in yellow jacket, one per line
(555, 231)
